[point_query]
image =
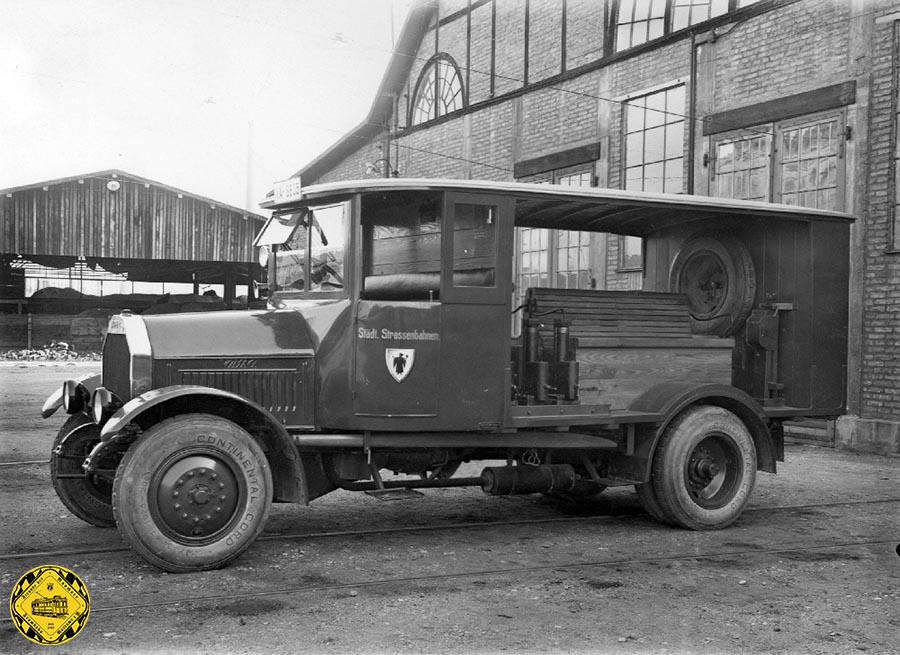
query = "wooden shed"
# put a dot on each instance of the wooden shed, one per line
(122, 224)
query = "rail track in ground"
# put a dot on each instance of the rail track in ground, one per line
(487, 572)
(471, 525)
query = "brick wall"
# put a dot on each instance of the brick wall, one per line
(797, 47)
(544, 39)
(881, 277)
(584, 32)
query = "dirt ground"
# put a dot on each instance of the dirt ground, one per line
(811, 567)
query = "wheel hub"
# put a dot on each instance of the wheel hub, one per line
(705, 283)
(196, 496)
(712, 471)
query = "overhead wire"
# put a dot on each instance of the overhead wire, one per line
(360, 46)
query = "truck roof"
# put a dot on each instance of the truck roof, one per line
(592, 209)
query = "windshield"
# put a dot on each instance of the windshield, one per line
(312, 257)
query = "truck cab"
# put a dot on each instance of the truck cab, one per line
(395, 339)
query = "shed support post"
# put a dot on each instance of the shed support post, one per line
(229, 287)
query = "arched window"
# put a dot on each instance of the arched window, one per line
(439, 90)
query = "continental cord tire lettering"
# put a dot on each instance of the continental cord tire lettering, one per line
(206, 498)
(241, 528)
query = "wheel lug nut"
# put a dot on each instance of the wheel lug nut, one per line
(177, 505)
(196, 519)
(184, 515)
(190, 474)
(218, 509)
(197, 532)
(207, 517)
(222, 497)
(213, 476)
(202, 471)
(221, 485)
(180, 482)
(175, 493)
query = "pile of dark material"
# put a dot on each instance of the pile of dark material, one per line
(58, 351)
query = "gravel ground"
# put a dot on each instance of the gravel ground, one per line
(606, 580)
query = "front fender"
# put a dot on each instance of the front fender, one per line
(288, 473)
(670, 399)
(55, 400)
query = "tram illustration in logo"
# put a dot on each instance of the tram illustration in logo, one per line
(57, 606)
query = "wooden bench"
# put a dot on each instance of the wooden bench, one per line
(629, 341)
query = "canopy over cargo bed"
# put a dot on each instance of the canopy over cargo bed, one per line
(588, 209)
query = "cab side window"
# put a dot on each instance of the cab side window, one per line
(474, 245)
(402, 249)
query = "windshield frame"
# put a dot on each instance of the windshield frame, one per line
(314, 235)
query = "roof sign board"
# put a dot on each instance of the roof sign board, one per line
(288, 190)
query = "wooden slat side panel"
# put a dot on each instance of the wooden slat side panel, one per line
(612, 313)
(617, 376)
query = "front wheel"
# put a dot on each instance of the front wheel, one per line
(704, 469)
(89, 497)
(192, 493)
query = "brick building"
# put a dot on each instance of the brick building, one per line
(792, 101)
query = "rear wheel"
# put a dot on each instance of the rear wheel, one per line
(87, 497)
(192, 493)
(704, 469)
(648, 500)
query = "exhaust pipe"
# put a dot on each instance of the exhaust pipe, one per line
(527, 479)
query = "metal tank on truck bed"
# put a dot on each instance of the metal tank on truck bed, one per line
(395, 340)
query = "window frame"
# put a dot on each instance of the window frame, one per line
(775, 161)
(668, 18)
(433, 68)
(627, 103)
(553, 269)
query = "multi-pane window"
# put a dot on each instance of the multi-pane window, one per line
(534, 263)
(557, 258)
(797, 162)
(654, 154)
(654, 141)
(438, 92)
(742, 167)
(639, 21)
(808, 164)
(690, 12)
(573, 267)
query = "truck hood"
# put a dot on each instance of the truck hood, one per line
(231, 334)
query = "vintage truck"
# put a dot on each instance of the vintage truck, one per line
(395, 340)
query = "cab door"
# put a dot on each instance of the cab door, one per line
(397, 329)
(476, 284)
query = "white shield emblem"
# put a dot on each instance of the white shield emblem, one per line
(399, 362)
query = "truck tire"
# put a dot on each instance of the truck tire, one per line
(192, 493)
(704, 468)
(648, 499)
(88, 498)
(715, 272)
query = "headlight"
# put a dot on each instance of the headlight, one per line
(103, 404)
(75, 396)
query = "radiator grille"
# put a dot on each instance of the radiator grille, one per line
(276, 390)
(117, 365)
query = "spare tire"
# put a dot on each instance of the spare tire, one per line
(715, 272)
